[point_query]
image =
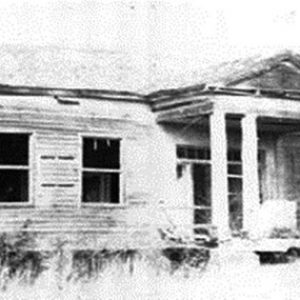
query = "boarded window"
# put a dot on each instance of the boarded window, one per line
(101, 170)
(14, 168)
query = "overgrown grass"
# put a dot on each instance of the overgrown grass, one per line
(62, 267)
(169, 273)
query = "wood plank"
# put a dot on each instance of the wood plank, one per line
(250, 174)
(219, 182)
(198, 109)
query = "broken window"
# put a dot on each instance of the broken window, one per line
(101, 170)
(14, 167)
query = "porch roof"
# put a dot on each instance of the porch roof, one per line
(276, 77)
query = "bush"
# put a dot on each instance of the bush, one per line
(18, 260)
(284, 233)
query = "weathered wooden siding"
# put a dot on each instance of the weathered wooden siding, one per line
(57, 132)
(57, 180)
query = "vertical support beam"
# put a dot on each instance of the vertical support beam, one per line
(250, 174)
(219, 188)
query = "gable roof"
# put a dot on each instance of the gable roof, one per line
(235, 72)
(101, 73)
(230, 74)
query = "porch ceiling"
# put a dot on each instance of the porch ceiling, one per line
(267, 124)
(187, 113)
(278, 125)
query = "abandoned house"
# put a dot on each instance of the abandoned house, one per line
(113, 167)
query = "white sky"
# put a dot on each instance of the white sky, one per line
(176, 34)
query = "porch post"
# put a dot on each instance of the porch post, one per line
(219, 185)
(250, 174)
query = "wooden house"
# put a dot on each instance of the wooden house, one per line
(113, 168)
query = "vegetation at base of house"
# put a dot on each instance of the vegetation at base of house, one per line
(20, 262)
(88, 264)
(284, 233)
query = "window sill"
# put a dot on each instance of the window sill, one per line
(103, 205)
(16, 205)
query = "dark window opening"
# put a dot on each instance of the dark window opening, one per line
(202, 216)
(14, 168)
(202, 193)
(202, 184)
(234, 169)
(14, 149)
(100, 187)
(13, 186)
(101, 153)
(235, 181)
(101, 171)
(193, 152)
(262, 174)
(234, 155)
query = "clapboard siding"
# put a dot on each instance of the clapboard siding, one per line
(58, 164)
(56, 171)
(70, 122)
(102, 224)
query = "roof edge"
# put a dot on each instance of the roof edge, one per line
(22, 90)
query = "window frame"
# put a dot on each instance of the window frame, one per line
(119, 171)
(192, 162)
(31, 149)
(233, 176)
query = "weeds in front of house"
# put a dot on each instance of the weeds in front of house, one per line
(284, 233)
(63, 271)
(18, 261)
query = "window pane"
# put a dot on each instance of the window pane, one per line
(13, 149)
(234, 169)
(202, 184)
(180, 152)
(100, 187)
(235, 211)
(101, 153)
(13, 186)
(234, 155)
(235, 185)
(193, 152)
(202, 216)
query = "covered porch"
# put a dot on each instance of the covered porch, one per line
(244, 177)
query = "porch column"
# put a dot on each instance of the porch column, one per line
(250, 174)
(219, 185)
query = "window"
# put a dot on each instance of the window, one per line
(101, 171)
(193, 153)
(202, 193)
(235, 178)
(262, 174)
(14, 168)
(199, 159)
